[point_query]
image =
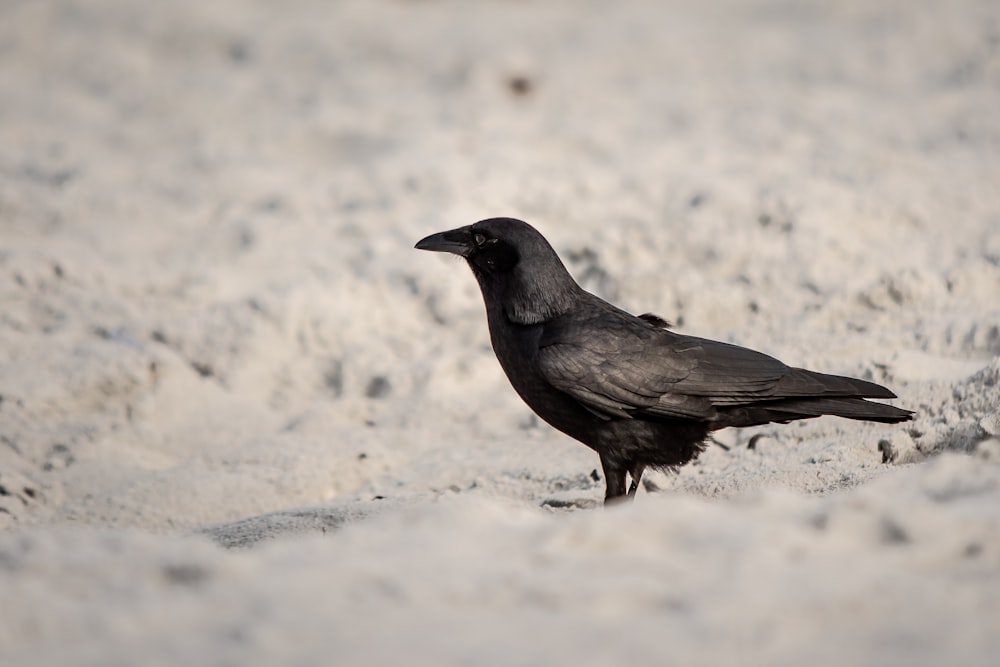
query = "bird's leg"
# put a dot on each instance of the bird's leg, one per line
(614, 480)
(636, 473)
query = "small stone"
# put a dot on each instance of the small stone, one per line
(378, 387)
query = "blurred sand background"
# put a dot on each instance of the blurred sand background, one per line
(242, 421)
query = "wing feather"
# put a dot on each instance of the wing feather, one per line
(618, 366)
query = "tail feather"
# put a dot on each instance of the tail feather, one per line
(787, 410)
(801, 382)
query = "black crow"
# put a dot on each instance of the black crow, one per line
(635, 392)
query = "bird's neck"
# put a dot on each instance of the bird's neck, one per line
(529, 298)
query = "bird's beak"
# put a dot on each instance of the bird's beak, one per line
(455, 241)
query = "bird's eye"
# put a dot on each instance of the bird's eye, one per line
(479, 239)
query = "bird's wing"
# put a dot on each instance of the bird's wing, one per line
(732, 375)
(619, 366)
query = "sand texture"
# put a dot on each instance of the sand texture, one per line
(243, 422)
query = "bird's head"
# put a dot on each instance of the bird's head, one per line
(516, 267)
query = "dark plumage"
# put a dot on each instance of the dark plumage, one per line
(625, 386)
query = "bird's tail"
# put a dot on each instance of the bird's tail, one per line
(788, 410)
(849, 408)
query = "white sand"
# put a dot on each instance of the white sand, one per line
(214, 327)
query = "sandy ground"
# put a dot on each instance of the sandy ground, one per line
(243, 422)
